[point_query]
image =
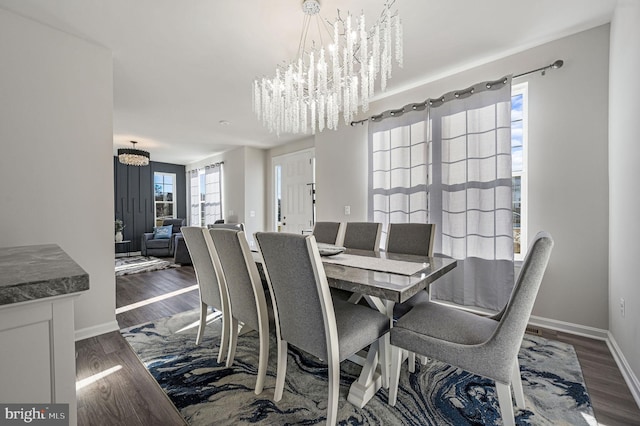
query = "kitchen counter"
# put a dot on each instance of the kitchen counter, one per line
(35, 272)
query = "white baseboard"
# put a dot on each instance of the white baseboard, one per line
(96, 330)
(567, 327)
(625, 368)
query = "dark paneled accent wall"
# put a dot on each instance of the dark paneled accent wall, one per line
(133, 196)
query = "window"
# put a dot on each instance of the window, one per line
(205, 188)
(164, 185)
(203, 196)
(519, 114)
(278, 192)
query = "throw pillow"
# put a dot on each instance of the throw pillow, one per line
(162, 232)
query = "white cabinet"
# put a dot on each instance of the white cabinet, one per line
(38, 285)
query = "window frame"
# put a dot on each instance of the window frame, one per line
(173, 176)
(523, 89)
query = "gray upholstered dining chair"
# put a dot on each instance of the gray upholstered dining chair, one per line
(327, 232)
(211, 292)
(411, 238)
(362, 235)
(307, 317)
(486, 346)
(238, 273)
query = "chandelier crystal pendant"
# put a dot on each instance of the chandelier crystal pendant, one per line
(323, 83)
(133, 156)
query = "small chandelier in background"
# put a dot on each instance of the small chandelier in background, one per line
(133, 156)
(311, 92)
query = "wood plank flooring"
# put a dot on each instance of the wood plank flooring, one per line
(130, 396)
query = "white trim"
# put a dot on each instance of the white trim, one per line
(96, 330)
(567, 327)
(629, 377)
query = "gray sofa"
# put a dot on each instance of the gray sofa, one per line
(164, 247)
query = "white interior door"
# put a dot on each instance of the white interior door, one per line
(295, 192)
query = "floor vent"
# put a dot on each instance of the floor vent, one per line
(534, 331)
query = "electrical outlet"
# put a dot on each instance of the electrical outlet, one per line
(622, 307)
(347, 210)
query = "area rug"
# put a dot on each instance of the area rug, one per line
(137, 264)
(208, 393)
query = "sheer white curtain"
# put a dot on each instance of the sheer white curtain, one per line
(398, 165)
(467, 195)
(213, 193)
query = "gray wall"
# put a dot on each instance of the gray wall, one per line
(134, 197)
(624, 199)
(568, 169)
(56, 133)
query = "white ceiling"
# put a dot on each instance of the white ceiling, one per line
(181, 67)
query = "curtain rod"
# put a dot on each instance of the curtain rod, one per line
(555, 65)
(205, 167)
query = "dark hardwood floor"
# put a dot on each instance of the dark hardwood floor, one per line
(128, 395)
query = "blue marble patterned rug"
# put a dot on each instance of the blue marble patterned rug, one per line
(208, 393)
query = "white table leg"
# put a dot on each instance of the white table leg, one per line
(370, 380)
(373, 377)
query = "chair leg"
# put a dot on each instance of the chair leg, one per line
(505, 403)
(516, 384)
(203, 322)
(394, 374)
(264, 359)
(233, 341)
(282, 369)
(224, 338)
(334, 392)
(383, 352)
(411, 362)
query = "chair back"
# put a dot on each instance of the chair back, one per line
(203, 265)
(177, 224)
(236, 226)
(515, 315)
(327, 232)
(299, 290)
(240, 274)
(411, 238)
(362, 235)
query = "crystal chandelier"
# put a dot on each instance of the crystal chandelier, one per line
(322, 83)
(133, 156)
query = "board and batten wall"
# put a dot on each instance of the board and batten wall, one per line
(56, 131)
(568, 167)
(134, 197)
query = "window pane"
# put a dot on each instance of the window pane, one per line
(517, 212)
(516, 107)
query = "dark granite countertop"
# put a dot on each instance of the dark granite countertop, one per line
(38, 271)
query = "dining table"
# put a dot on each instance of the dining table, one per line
(382, 279)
